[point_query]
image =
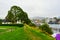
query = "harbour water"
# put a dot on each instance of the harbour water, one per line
(55, 27)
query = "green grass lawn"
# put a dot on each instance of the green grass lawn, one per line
(22, 33)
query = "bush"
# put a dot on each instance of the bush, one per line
(32, 24)
(20, 25)
(46, 28)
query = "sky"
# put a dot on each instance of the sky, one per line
(42, 8)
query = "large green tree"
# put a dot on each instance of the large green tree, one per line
(0, 21)
(10, 16)
(16, 13)
(24, 18)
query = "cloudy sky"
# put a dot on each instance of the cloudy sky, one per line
(43, 8)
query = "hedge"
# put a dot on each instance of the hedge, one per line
(20, 25)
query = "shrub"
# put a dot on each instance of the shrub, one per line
(32, 24)
(46, 28)
(20, 25)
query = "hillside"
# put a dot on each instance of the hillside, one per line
(22, 33)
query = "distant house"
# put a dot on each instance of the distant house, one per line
(52, 21)
(58, 21)
(36, 22)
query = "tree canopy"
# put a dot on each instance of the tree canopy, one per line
(16, 13)
(0, 21)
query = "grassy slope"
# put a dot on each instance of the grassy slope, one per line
(24, 33)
